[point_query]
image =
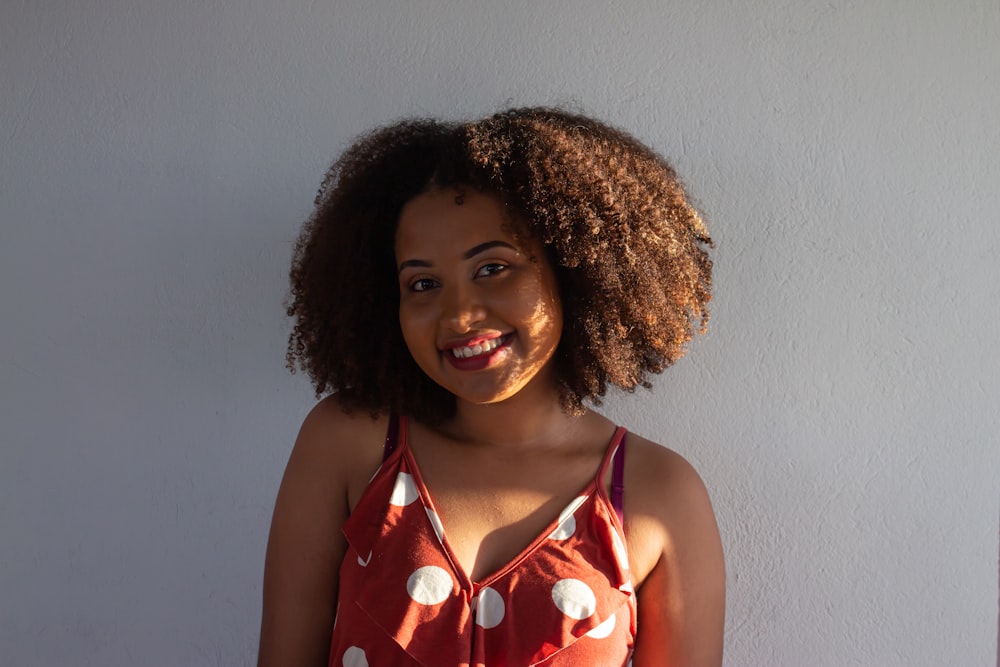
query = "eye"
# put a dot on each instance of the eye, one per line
(490, 269)
(422, 285)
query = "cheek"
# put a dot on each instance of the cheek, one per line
(545, 315)
(417, 335)
(553, 321)
(406, 325)
(553, 302)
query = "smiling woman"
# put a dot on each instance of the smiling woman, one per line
(463, 290)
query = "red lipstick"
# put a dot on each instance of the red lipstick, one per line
(477, 361)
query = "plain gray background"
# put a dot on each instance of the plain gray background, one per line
(157, 159)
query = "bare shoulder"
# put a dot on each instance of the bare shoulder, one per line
(659, 471)
(333, 457)
(677, 558)
(338, 445)
(329, 427)
(658, 475)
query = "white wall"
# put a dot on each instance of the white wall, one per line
(156, 160)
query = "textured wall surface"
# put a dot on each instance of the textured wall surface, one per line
(156, 160)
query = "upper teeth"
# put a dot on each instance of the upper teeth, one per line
(473, 350)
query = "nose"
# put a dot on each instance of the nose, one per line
(463, 309)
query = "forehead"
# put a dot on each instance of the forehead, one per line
(442, 218)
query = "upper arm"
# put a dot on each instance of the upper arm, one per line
(306, 545)
(681, 601)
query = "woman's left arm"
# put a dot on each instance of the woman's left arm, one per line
(682, 598)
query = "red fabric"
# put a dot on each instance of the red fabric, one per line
(566, 600)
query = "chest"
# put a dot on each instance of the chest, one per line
(493, 508)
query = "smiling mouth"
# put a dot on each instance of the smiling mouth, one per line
(484, 347)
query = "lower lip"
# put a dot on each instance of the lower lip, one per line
(480, 361)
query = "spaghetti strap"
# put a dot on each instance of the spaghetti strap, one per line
(618, 482)
(391, 437)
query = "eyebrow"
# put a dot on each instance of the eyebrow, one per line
(468, 254)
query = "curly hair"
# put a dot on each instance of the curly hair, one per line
(628, 249)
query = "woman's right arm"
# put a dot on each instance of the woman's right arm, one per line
(306, 545)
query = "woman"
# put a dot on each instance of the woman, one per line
(464, 289)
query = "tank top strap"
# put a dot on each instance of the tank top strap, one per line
(391, 437)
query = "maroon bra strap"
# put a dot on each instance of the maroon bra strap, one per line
(618, 482)
(391, 437)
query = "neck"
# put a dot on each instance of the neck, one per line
(522, 421)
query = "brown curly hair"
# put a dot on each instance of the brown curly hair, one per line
(628, 249)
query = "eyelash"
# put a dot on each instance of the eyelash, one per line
(414, 286)
(492, 269)
(492, 265)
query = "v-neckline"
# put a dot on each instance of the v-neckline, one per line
(594, 487)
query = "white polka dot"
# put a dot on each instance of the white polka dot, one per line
(604, 629)
(619, 548)
(364, 562)
(564, 530)
(436, 523)
(489, 608)
(404, 491)
(429, 585)
(355, 657)
(574, 598)
(567, 522)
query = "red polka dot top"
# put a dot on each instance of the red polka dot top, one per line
(565, 600)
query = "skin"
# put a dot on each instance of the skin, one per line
(463, 277)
